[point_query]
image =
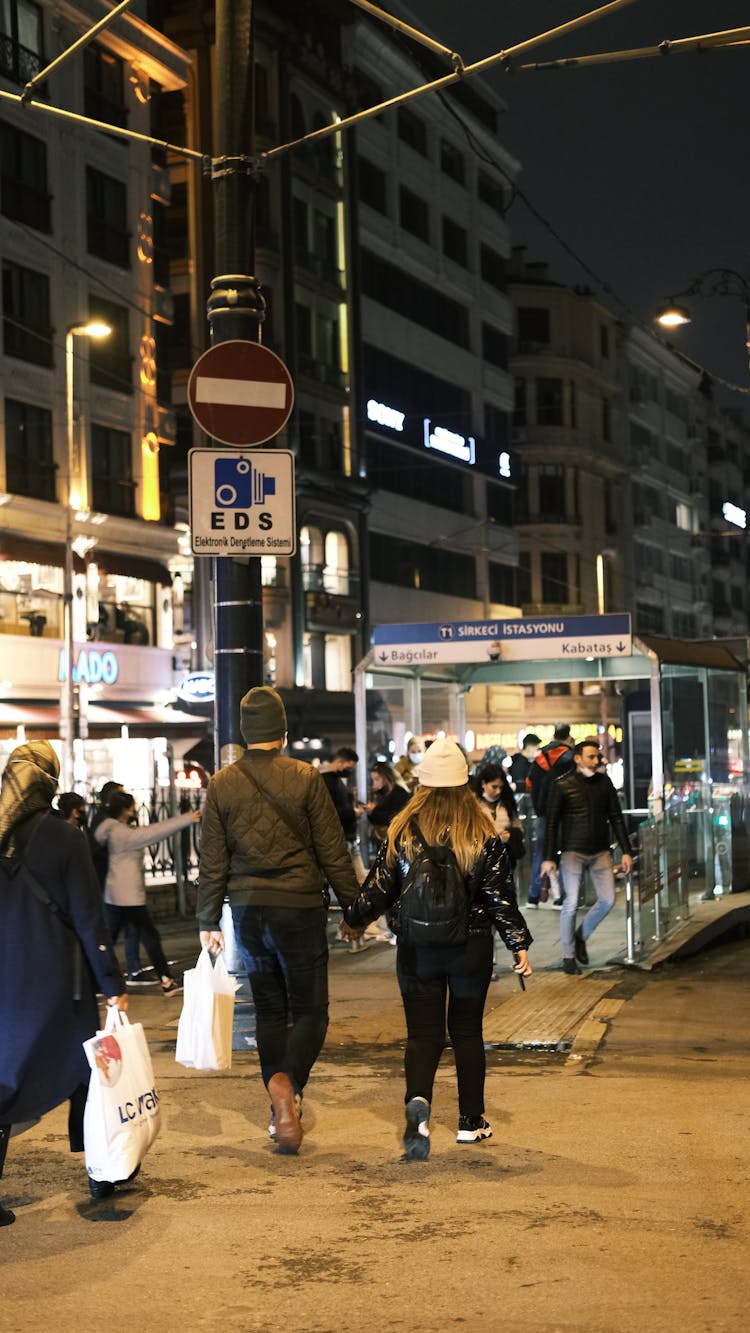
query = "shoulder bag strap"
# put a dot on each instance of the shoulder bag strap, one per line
(280, 811)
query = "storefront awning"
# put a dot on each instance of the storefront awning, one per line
(113, 562)
(43, 719)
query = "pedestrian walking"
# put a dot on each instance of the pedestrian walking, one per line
(520, 764)
(582, 806)
(125, 884)
(389, 795)
(496, 795)
(271, 843)
(443, 848)
(55, 953)
(552, 761)
(335, 775)
(100, 856)
(71, 808)
(407, 766)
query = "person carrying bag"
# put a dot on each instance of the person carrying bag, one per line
(204, 1033)
(122, 1116)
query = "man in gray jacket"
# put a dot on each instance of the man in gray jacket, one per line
(271, 843)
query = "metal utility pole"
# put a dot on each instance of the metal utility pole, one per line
(235, 310)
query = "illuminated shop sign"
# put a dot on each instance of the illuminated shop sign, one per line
(503, 465)
(733, 514)
(91, 666)
(385, 416)
(198, 688)
(448, 442)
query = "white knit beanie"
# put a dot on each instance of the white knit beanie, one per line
(443, 765)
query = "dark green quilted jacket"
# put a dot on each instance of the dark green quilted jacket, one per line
(249, 852)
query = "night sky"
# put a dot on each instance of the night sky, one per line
(642, 167)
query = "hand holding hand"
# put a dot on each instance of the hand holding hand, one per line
(213, 940)
(350, 933)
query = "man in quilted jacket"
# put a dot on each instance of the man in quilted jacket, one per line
(271, 843)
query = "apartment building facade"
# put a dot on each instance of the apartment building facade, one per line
(82, 423)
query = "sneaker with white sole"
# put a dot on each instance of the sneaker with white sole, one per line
(417, 1132)
(473, 1128)
(171, 987)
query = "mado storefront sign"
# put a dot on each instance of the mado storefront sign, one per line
(197, 688)
(91, 667)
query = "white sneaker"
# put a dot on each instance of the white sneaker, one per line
(472, 1129)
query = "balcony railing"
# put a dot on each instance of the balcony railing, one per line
(17, 62)
(114, 495)
(325, 578)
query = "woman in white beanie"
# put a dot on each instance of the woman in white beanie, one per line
(445, 879)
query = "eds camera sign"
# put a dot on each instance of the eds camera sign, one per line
(241, 504)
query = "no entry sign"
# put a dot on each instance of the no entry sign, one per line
(240, 393)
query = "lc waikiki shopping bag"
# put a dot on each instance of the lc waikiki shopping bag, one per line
(122, 1116)
(204, 1032)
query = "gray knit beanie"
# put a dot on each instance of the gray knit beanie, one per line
(262, 715)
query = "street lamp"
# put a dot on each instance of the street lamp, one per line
(712, 282)
(73, 500)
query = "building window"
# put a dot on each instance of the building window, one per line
(649, 619)
(551, 483)
(604, 341)
(428, 568)
(494, 346)
(297, 123)
(554, 570)
(104, 86)
(371, 184)
(606, 420)
(519, 402)
(110, 362)
(20, 40)
(491, 193)
(414, 214)
(452, 162)
(492, 267)
(455, 242)
(27, 332)
(113, 488)
(412, 130)
(502, 584)
(533, 327)
(25, 196)
(406, 472)
(501, 505)
(524, 578)
(29, 465)
(107, 234)
(549, 402)
(393, 287)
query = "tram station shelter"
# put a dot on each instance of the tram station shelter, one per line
(694, 726)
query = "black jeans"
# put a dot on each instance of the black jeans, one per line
(425, 976)
(285, 951)
(76, 1108)
(149, 935)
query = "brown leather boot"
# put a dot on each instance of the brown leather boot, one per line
(288, 1127)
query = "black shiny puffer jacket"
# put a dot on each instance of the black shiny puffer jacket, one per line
(489, 886)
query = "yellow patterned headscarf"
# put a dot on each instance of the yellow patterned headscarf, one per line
(29, 783)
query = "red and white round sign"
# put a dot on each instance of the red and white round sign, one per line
(240, 393)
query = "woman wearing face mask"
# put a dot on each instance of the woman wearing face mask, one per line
(125, 885)
(408, 765)
(493, 789)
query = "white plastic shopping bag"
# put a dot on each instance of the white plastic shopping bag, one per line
(122, 1116)
(204, 1033)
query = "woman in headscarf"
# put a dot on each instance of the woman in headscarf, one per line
(55, 954)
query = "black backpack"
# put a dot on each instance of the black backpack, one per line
(433, 908)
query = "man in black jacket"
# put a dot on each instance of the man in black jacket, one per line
(581, 807)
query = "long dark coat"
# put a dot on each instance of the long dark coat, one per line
(42, 1025)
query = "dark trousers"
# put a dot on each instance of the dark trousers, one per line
(76, 1108)
(149, 935)
(285, 951)
(426, 976)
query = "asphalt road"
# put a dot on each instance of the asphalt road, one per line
(613, 1195)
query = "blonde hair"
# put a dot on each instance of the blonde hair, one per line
(448, 815)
